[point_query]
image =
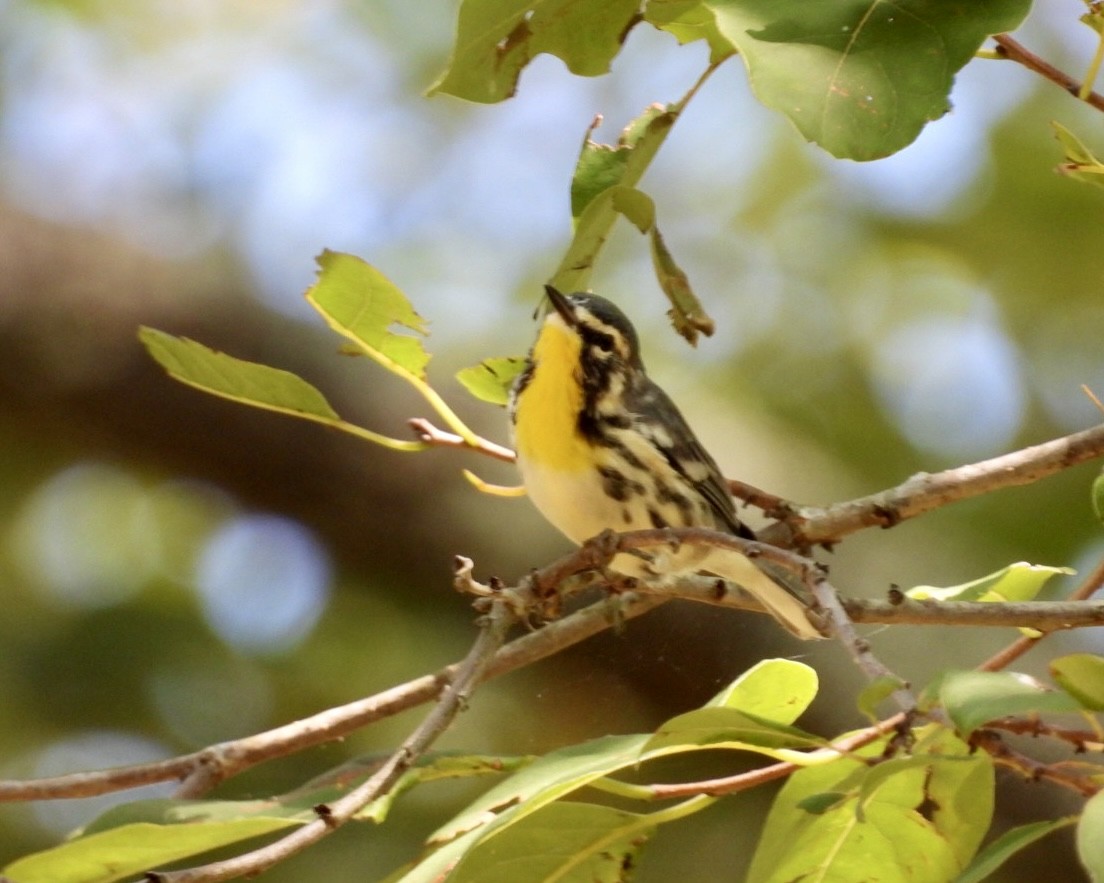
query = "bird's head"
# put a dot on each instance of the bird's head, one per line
(605, 333)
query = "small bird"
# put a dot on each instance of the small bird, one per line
(600, 446)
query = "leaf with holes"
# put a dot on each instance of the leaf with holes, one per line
(496, 39)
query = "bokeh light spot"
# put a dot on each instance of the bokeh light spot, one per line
(81, 537)
(93, 750)
(264, 581)
(952, 384)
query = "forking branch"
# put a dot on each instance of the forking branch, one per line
(201, 770)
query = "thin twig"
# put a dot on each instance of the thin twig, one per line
(1034, 770)
(431, 435)
(1010, 49)
(1079, 740)
(333, 815)
(1045, 616)
(202, 770)
(231, 758)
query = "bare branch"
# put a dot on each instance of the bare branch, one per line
(202, 770)
(991, 742)
(1010, 49)
(927, 491)
(333, 815)
(205, 768)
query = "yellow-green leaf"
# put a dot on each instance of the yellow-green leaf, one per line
(491, 379)
(1082, 676)
(496, 39)
(1016, 582)
(362, 304)
(236, 379)
(129, 851)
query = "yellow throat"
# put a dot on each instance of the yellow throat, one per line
(545, 430)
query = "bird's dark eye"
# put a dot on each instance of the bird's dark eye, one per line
(604, 342)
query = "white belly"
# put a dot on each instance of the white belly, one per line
(575, 502)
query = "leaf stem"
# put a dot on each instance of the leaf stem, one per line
(1094, 68)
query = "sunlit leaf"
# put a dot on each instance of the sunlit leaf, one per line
(130, 850)
(491, 379)
(129, 839)
(986, 862)
(1090, 838)
(548, 778)
(359, 302)
(1016, 582)
(732, 729)
(496, 39)
(236, 379)
(892, 843)
(778, 690)
(861, 78)
(814, 831)
(973, 698)
(568, 842)
(1082, 676)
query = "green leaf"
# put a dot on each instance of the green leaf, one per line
(861, 78)
(730, 729)
(496, 39)
(689, 20)
(236, 379)
(973, 698)
(130, 850)
(1081, 164)
(548, 778)
(903, 835)
(1090, 837)
(818, 804)
(601, 166)
(565, 842)
(491, 379)
(595, 200)
(1016, 582)
(994, 855)
(362, 304)
(753, 713)
(592, 230)
(134, 837)
(1082, 676)
(778, 690)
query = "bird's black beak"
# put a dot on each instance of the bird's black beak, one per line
(562, 306)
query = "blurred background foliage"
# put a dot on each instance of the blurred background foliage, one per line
(177, 570)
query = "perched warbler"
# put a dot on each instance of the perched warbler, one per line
(600, 446)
